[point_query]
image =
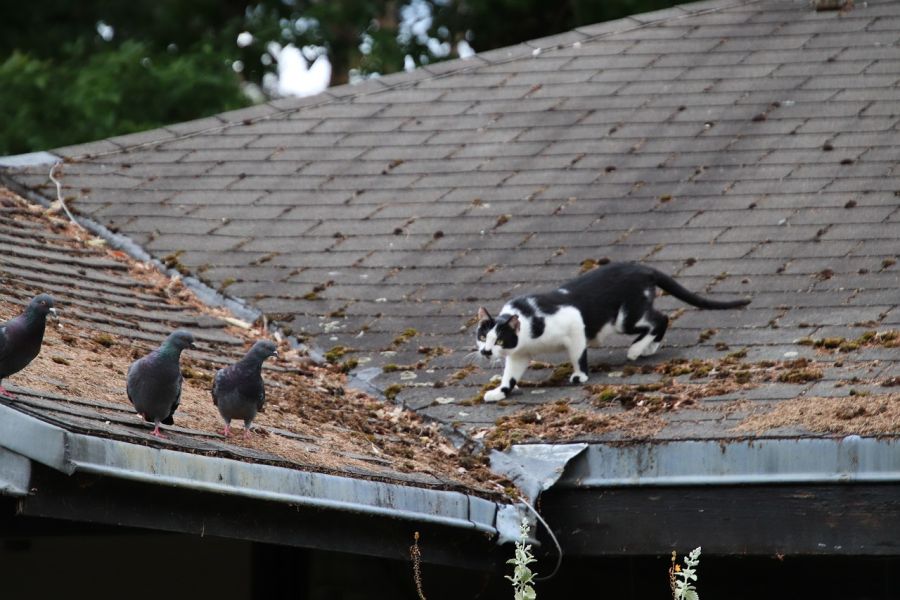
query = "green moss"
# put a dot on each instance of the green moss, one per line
(392, 390)
(800, 375)
(189, 372)
(105, 340)
(560, 375)
(607, 395)
(736, 355)
(830, 343)
(706, 334)
(404, 337)
(336, 353)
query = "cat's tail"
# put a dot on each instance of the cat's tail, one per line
(668, 284)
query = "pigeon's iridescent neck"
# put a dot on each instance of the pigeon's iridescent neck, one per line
(252, 361)
(169, 350)
(33, 318)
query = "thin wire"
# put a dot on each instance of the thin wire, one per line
(59, 196)
(559, 550)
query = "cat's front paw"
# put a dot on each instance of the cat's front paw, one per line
(494, 395)
(578, 378)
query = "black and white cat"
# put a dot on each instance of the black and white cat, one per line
(616, 297)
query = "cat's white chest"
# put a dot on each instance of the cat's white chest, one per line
(558, 329)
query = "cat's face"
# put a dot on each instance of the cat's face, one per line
(496, 337)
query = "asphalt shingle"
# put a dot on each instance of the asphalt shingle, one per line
(747, 147)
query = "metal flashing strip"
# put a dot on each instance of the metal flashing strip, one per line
(70, 452)
(34, 439)
(15, 474)
(762, 461)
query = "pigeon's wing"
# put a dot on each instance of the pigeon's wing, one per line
(4, 341)
(261, 402)
(217, 381)
(170, 420)
(129, 382)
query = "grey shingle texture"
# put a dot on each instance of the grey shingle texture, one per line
(749, 148)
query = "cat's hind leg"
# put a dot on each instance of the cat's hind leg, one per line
(577, 349)
(512, 372)
(650, 329)
(660, 323)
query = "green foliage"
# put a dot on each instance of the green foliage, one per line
(683, 587)
(522, 576)
(62, 83)
(488, 21)
(81, 97)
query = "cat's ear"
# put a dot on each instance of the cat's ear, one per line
(483, 314)
(514, 323)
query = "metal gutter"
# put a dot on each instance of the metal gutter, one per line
(15, 473)
(71, 452)
(717, 462)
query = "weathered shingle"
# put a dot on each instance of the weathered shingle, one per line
(747, 147)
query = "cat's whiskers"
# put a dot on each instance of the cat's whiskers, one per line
(472, 356)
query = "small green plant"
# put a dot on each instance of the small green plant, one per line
(522, 575)
(680, 578)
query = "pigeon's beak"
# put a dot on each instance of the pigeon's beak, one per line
(55, 313)
(275, 353)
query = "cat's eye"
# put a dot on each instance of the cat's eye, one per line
(499, 343)
(481, 338)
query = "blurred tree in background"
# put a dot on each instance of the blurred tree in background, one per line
(78, 71)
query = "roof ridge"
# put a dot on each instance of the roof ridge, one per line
(444, 69)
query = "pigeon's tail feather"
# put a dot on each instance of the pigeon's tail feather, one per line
(169, 420)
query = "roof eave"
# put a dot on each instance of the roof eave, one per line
(24, 439)
(760, 496)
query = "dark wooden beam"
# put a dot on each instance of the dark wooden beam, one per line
(763, 520)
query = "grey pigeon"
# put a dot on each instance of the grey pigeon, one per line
(154, 381)
(21, 337)
(238, 390)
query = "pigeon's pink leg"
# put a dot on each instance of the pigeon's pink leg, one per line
(227, 431)
(157, 432)
(6, 393)
(246, 432)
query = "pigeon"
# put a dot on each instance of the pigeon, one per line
(154, 381)
(238, 390)
(21, 337)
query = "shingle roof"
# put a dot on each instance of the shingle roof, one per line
(749, 148)
(113, 310)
